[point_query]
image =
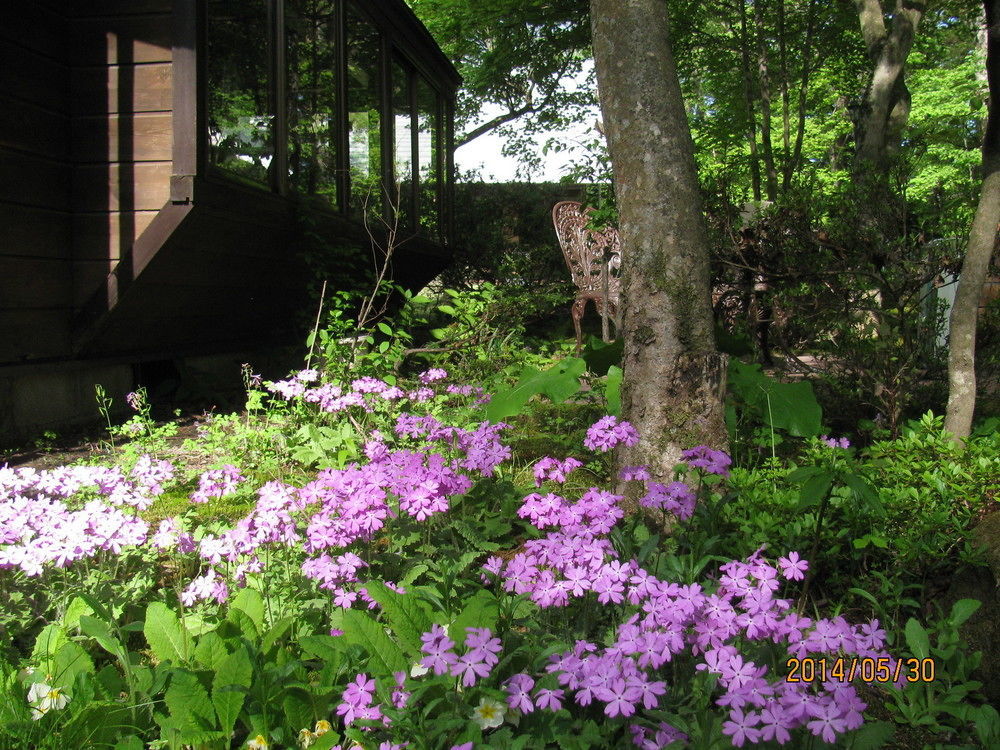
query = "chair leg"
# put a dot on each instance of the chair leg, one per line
(579, 306)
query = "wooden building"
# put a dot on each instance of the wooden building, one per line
(161, 159)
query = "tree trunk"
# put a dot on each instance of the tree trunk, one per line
(982, 236)
(674, 382)
(887, 102)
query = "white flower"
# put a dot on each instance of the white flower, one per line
(417, 670)
(55, 698)
(489, 714)
(44, 698)
(257, 743)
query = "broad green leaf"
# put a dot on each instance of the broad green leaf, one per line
(815, 489)
(788, 406)
(69, 661)
(558, 383)
(48, 641)
(245, 623)
(871, 736)
(129, 743)
(384, 654)
(326, 647)
(101, 632)
(613, 392)
(601, 357)
(251, 602)
(281, 626)
(963, 609)
(189, 704)
(481, 611)
(210, 651)
(298, 709)
(166, 638)
(916, 639)
(235, 669)
(406, 617)
(74, 611)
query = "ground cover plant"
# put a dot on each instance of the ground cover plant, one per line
(409, 582)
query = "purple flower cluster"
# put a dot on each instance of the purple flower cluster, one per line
(481, 654)
(554, 470)
(707, 459)
(38, 526)
(834, 442)
(357, 702)
(217, 483)
(607, 432)
(367, 393)
(152, 474)
(676, 498)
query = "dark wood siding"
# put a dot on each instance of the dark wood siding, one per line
(122, 94)
(35, 220)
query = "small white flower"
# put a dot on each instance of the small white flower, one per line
(55, 698)
(257, 743)
(37, 691)
(489, 714)
(417, 670)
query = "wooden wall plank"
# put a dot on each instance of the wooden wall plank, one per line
(149, 89)
(94, 8)
(30, 76)
(33, 334)
(101, 187)
(35, 27)
(34, 232)
(99, 235)
(35, 283)
(32, 180)
(142, 137)
(122, 39)
(29, 128)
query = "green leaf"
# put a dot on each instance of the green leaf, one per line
(325, 647)
(48, 641)
(814, 490)
(252, 603)
(101, 632)
(298, 709)
(559, 382)
(916, 639)
(871, 736)
(188, 702)
(385, 329)
(77, 608)
(404, 613)
(384, 655)
(129, 743)
(281, 626)
(382, 347)
(601, 357)
(788, 406)
(166, 638)
(236, 670)
(210, 651)
(613, 391)
(963, 609)
(69, 661)
(481, 611)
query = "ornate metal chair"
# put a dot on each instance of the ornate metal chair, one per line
(594, 261)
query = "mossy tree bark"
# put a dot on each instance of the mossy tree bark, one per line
(982, 239)
(674, 385)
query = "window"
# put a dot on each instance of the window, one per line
(364, 120)
(240, 119)
(311, 74)
(429, 162)
(402, 130)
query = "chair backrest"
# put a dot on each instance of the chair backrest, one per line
(584, 248)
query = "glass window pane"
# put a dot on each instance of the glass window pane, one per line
(363, 115)
(428, 155)
(310, 60)
(402, 123)
(240, 119)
